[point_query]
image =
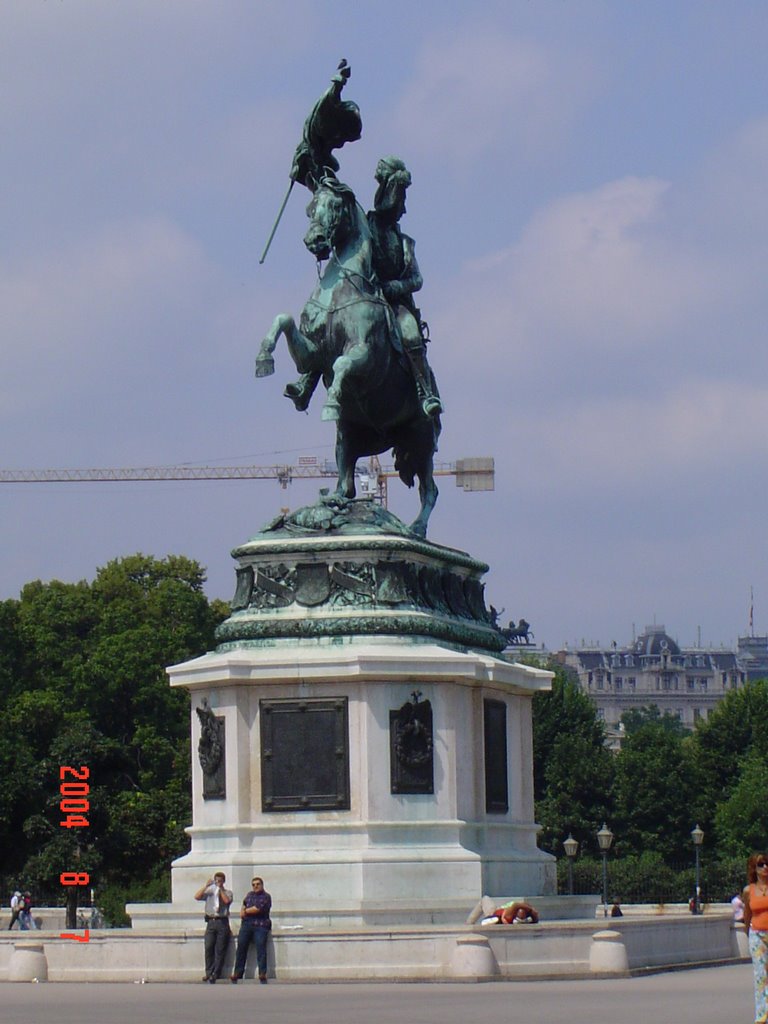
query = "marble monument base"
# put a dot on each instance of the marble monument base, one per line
(359, 744)
(385, 858)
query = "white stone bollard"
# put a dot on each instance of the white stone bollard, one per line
(608, 954)
(473, 958)
(28, 962)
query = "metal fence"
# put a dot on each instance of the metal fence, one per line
(646, 880)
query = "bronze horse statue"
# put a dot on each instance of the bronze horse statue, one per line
(349, 334)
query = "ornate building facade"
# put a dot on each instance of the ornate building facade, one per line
(654, 669)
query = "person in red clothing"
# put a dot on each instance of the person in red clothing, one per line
(755, 899)
(517, 913)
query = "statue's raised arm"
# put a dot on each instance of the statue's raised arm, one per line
(331, 123)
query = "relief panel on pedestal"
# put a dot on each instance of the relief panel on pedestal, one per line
(304, 755)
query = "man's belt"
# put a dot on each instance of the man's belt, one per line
(216, 917)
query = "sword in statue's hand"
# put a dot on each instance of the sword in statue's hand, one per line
(274, 226)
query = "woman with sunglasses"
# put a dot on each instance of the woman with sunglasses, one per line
(756, 923)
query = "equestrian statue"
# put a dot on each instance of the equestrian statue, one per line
(360, 331)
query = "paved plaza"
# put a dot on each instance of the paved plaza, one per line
(708, 996)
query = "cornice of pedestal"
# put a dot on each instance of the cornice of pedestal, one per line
(363, 660)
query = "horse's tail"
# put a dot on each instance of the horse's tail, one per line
(410, 455)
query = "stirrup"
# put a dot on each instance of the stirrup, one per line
(432, 406)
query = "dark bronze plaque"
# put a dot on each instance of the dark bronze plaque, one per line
(210, 752)
(495, 739)
(411, 761)
(304, 755)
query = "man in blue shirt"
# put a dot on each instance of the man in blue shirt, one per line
(255, 926)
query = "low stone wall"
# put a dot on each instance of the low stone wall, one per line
(557, 949)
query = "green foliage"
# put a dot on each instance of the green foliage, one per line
(634, 720)
(113, 898)
(741, 821)
(578, 783)
(573, 771)
(83, 683)
(734, 729)
(632, 879)
(648, 879)
(654, 793)
(565, 709)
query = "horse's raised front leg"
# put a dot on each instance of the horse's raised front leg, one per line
(303, 350)
(265, 363)
(428, 495)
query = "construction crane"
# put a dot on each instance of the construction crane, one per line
(475, 474)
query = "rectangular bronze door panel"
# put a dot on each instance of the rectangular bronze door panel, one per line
(304, 755)
(495, 742)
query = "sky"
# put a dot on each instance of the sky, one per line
(591, 220)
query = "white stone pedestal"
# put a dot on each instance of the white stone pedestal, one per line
(389, 858)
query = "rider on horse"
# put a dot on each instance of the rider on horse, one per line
(331, 124)
(395, 266)
(394, 260)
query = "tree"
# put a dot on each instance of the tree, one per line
(634, 719)
(578, 793)
(84, 684)
(573, 771)
(741, 822)
(565, 709)
(733, 730)
(654, 787)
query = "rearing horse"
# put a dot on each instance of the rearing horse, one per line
(348, 333)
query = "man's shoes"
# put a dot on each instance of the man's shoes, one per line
(234, 979)
(211, 980)
(205, 979)
(263, 979)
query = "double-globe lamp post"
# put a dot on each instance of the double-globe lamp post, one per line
(571, 846)
(604, 839)
(697, 835)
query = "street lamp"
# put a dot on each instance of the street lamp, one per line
(604, 839)
(697, 835)
(571, 849)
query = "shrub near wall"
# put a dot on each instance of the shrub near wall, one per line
(647, 879)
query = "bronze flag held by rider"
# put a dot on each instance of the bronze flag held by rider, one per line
(360, 331)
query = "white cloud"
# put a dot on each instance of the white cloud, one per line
(595, 270)
(699, 427)
(619, 339)
(478, 89)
